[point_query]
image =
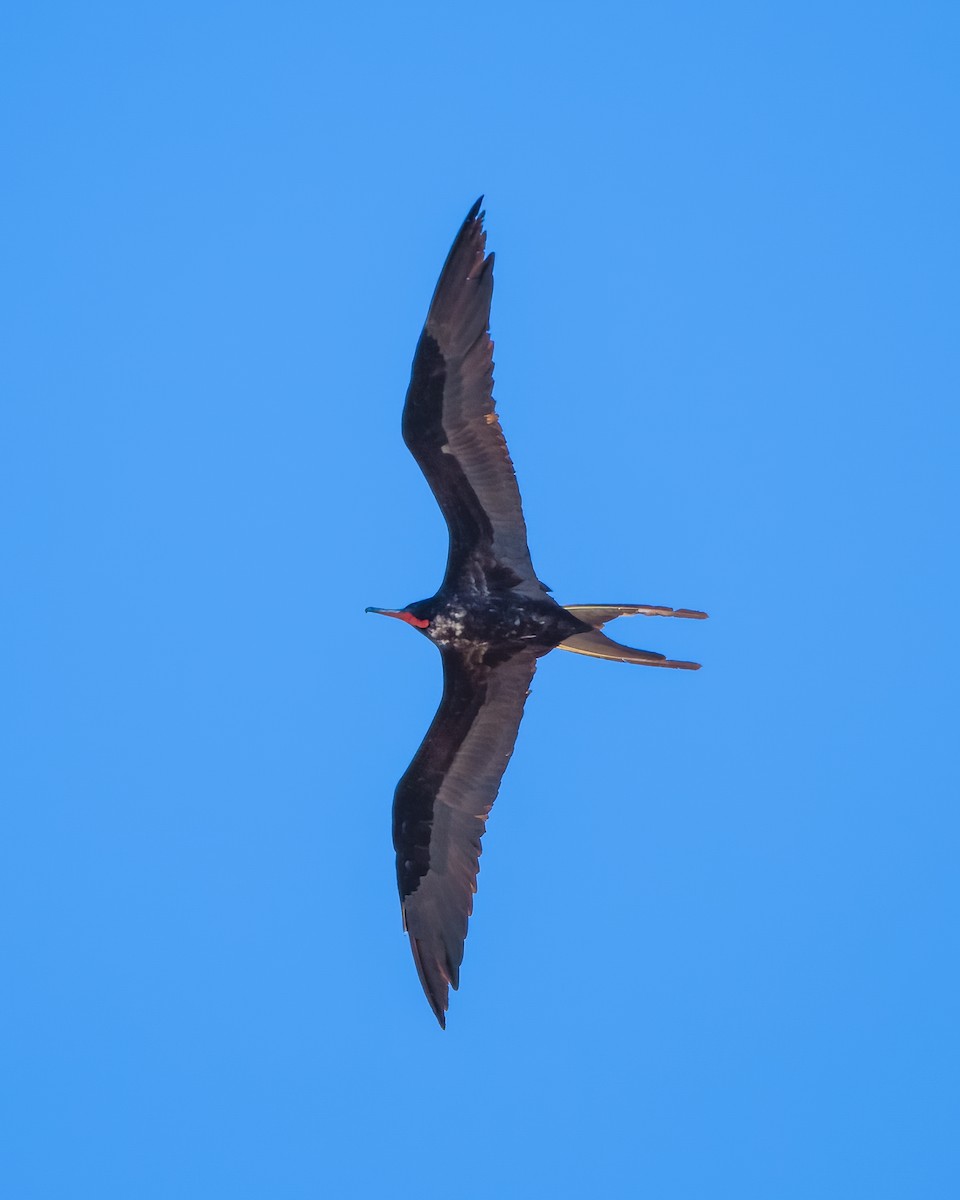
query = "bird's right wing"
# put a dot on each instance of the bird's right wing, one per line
(441, 805)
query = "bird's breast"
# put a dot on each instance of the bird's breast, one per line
(451, 626)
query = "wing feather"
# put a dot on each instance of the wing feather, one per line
(441, 807)
(450, 425)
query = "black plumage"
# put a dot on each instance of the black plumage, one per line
(491, 619)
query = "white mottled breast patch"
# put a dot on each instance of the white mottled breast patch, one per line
(449, 626)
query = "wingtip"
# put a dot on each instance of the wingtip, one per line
(433, 981)
(475, 211)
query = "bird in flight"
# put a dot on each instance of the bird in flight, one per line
(491, 619)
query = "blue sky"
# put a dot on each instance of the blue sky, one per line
(714, 949)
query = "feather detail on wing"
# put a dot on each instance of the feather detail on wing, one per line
(441, 807)
(451, 427)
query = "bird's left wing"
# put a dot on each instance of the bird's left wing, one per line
(451, 427)
(441, 805)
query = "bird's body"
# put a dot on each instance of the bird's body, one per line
(491, 619)
(494, 625)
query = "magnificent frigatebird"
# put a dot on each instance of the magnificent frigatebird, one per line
(491, 619)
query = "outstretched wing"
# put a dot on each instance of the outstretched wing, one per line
(440, 810)
(451, 427)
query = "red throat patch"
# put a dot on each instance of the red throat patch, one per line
(412, 620)
(401, 615)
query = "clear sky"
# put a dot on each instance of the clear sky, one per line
(714, 952)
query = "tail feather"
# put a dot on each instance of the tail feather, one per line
(597, 615)
(597, 645)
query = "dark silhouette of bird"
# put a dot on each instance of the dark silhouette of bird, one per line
(491, 619)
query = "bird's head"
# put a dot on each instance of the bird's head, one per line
(417, 614)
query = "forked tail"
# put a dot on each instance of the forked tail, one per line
(598, 615)
(597, 645)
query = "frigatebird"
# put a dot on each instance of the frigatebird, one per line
(491, 619)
